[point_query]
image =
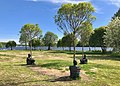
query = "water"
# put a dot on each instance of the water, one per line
(56, 48)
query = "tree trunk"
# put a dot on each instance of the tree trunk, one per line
(103, 49)
(89, 48)
(70, 48)
(49, 46)
(25, 45)
(11, 48)
(31, 47)
(74, 49)
(82, 51)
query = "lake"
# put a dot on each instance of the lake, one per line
(56, 48)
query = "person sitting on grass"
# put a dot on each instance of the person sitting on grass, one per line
(83, 60)
(29, 60)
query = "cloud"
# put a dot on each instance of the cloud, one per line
(98, 10)
(114, 2)
(61, 1)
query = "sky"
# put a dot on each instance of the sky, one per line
(16, 13)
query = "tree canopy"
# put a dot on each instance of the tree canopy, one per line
(70, 18)
(1, 45)
(117, 14)
(29, 32)
(85, 34)
(112, 35)
(11, 44)
(35, 43)
(67, 41)
(50, 39)
(97, 38)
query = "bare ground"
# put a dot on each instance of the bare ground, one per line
(58, 73)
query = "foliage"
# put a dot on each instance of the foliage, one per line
(97, 38)
(35, 42)
(117, 14)
(29, 32)
(112, 35)
(1, 45)
(23, 39)
(67, 41)
(59, 43)
(85, 33)
(11, 44)
(50, 39)
(70, 17)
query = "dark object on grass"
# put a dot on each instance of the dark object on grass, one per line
(29, 60)
(83, 60)
(74, 72)
(74, 62)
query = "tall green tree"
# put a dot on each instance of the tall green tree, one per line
(50, 39)
(85, 34)
(11, 44)
(112, 35)
(97, 38)
(29, 32)
(70, 17)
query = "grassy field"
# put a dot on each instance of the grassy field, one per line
(52, 69)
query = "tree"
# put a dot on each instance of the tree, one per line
(67, 41)
(35, 42)
(29, 32)
(23, 39)
(112, 35)
(59, 43)
(70, 17)
(97, 38)
(11, 44)
(1, 45)
(117, 14)
(50, 39)
(85, 34)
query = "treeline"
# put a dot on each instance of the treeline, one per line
(2, 44)
(77, 30)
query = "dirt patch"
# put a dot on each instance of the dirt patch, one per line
(58, 73)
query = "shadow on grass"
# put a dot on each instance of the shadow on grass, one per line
(13, 83)
(104, 57)
(7, 55)
(64, 78)
(80, 52)
(47, 65)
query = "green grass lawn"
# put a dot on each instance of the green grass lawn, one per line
(102, 69)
